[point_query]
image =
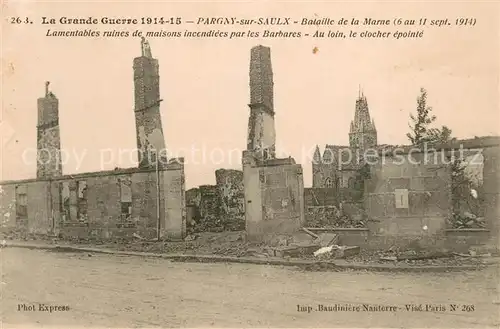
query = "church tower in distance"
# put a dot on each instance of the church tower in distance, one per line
(363, 133)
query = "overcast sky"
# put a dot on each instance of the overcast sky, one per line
(204, 83)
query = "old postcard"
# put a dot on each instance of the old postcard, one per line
(250, 164)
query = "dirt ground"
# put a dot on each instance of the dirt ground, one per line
(112, 291)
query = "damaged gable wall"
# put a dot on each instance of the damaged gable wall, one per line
(218, 207)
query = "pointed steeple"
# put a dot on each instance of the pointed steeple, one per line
(362, 131)
(317, 155)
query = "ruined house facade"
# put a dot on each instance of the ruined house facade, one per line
(273, 187)
(102, 204)
(399, 198)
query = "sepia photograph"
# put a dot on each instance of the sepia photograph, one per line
(258, 164)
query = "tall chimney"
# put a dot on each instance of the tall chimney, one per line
(48, 136)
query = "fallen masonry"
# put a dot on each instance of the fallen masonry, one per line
(337, 251)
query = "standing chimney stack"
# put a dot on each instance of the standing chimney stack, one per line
(49, 163)
(147, 108)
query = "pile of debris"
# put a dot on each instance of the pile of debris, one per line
(22, 235)
(467, 220)
(399, 257)
(320, 246)
(332, 217)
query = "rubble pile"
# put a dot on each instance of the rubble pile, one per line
(227, 243)
(467, 196)
(217, 208)
(467, 220)
(210, 220)
(336, 251)
(332, 217)
(400, 257)
(231, 197)
(22, 235)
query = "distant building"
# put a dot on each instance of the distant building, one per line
(338, 165)
(103, 204)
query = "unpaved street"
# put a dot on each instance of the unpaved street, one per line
(112, 291)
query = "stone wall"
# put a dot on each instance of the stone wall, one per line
(48, 137)
(491, 188)
(148, 123)
(347, 215)
(37, 219)
(193, 197)
(261, 136)
(320, 196)
(329, 207)
(409, 204)
(101, 209)
(174, 192)
(218, 207)
(274, 197)
(407, 201)
(209, 208)
(324, 174)
(231, 198)
(8, 206)
(461, 240)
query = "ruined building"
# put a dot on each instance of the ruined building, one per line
(103, 204)
(404, 197)
(273, 187)
(261, 130)
(48, 136)
(339, 166)
(149, 131)
(219, 207)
